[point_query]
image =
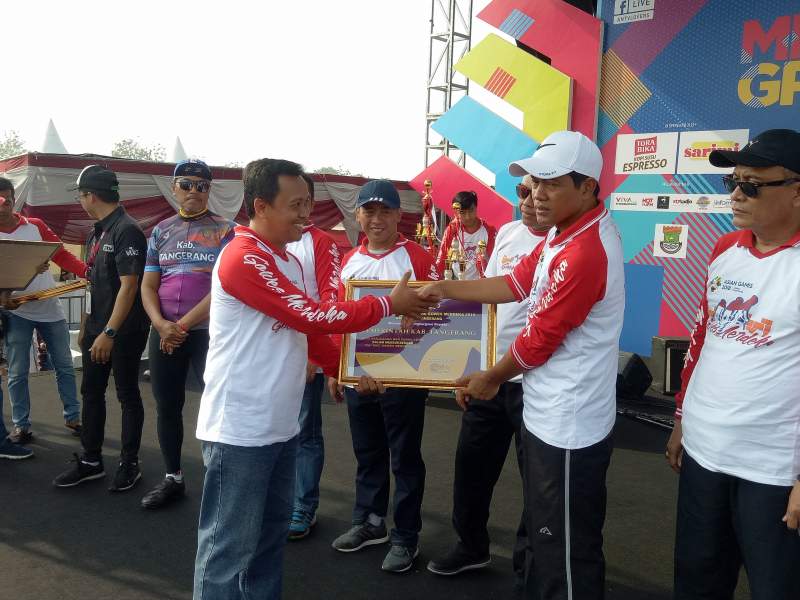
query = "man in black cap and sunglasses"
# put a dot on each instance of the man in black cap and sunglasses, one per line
(736, 441)
(176, 292)
(114, 332)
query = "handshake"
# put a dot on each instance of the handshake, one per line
(412, 303)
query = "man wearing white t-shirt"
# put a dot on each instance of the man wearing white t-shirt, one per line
(736, 441)
(322, 264)
(465, 233)
(488, 427)
(386, 424)
(255, 373)
(568, 351)
(45, 316)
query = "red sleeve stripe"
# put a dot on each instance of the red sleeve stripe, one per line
(518, 358)
(516, 288)
(385, 305)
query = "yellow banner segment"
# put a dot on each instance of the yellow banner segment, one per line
(542, 93)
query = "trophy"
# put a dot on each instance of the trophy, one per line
(480, 258)
(425, 235)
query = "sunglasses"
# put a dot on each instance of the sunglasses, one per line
(523, 191)
(200, 185)
(749, 188)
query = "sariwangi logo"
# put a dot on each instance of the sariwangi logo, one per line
(776, 79)
(701, 150)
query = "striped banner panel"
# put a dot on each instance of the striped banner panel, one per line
(684, 278)
(501, 82)
(621, 92)
(516, 24)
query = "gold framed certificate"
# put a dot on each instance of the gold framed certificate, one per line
(452, 339)
(21, 259)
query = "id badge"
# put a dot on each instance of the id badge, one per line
(88, 301)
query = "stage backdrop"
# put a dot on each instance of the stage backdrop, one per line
(680, 78)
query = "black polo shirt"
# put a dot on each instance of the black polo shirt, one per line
(116, 247)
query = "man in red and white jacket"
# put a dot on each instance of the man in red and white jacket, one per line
(45, 316)
(386, 424)
(322, 264)
(736, 441)
(254, 378)
(464, 233)
(568, 354)
(488, 427)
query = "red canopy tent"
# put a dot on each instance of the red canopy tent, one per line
(41, 179)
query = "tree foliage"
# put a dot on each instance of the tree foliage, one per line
(131, 148)
(11, 145)
(340, 170)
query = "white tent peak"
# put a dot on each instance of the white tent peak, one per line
(52, 141)
(178, 152)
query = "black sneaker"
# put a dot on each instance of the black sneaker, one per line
(13, 451)
(399, 559)
(20, 435)
(82, 471)
(125, 478)
(164, 493)
(456, 561)
(361, 535)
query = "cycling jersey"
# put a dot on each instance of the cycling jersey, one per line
(183, 250)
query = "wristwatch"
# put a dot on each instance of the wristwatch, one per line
(111, 333)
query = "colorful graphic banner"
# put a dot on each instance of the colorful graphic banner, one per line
(712, 73)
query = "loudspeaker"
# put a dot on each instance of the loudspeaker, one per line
(633, 377)
(667, 362)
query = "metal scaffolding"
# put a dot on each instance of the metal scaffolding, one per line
(451, 31)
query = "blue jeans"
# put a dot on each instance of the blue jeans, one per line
(244, 520)
(19, 333)
(3, 430)
(310, 448)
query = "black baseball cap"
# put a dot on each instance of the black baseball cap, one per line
(378, 190)
(772, 148)
(95, 178)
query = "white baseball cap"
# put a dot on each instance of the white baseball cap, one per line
(560, 153)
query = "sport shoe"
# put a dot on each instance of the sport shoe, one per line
(12, 451)
(82, 471)
(364, 534)
(399, 558)
(456, 561)
(301, 524)
(164, 493)
(20, 435)
(125, 478)
(75, 427)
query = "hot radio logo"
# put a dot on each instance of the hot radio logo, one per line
(772, 54)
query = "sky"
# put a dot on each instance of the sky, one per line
(319, 82)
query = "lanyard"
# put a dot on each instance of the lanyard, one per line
(93, 252)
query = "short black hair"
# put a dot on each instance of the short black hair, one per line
(579, 178)
(310, 182)
(260, 180)
(5, 184)
(467, 199)
(107, 196)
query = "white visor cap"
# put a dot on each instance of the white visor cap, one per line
(560, 153)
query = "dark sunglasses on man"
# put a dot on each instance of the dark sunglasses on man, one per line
(750, 188)
(523, 191)
(201, 185)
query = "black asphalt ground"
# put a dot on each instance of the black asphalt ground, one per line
(86, 543)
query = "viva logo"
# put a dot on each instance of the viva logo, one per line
(733, 321)
(772, 53)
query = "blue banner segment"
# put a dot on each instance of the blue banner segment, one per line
(642, 313)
